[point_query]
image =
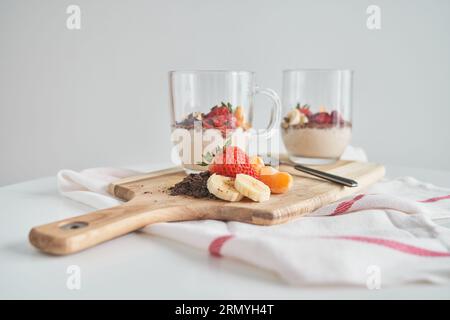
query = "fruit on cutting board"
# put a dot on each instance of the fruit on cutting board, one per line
(223, 188)
(231, 161)
(268, 170)
(234, 175)
(257, 163)
(278, 182)
(252, 188)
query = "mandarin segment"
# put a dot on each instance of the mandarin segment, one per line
(279, 182)
(267, 170)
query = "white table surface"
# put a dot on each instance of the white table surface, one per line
(139, 266)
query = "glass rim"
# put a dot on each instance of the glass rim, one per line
(318, 70)
(210, 71)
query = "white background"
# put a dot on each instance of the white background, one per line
(99, 96)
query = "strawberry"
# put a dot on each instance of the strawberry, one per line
(321, 118)
(218, 111)
(219, 121)
(221, 118)
(231, 161)
(305, 110)
(336, 118)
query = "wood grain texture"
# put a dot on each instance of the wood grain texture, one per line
(149, 202)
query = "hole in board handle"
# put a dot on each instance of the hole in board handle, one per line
(74, 225)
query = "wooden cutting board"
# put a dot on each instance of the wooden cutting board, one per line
(149, 202)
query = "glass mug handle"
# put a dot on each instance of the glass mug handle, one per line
(275, 115)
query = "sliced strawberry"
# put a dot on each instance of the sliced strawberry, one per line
(321, 118)
(218, 111)
(221, 118)
(232, 161)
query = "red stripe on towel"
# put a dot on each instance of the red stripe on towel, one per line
(435, 199)
(216, 245)
(346, 205)
(396, 245)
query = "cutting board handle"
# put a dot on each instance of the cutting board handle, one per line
(81, 232)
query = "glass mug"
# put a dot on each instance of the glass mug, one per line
(213, 109)
(317, 123)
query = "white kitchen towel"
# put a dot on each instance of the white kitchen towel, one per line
(384, 236)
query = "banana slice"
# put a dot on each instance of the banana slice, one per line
(303, 119)
(223, 188)
(294, 117)
(252, 188)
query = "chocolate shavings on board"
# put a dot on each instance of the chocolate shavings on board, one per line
(193, 185)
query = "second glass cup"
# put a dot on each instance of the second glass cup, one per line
(317, 123)
(213, 109)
